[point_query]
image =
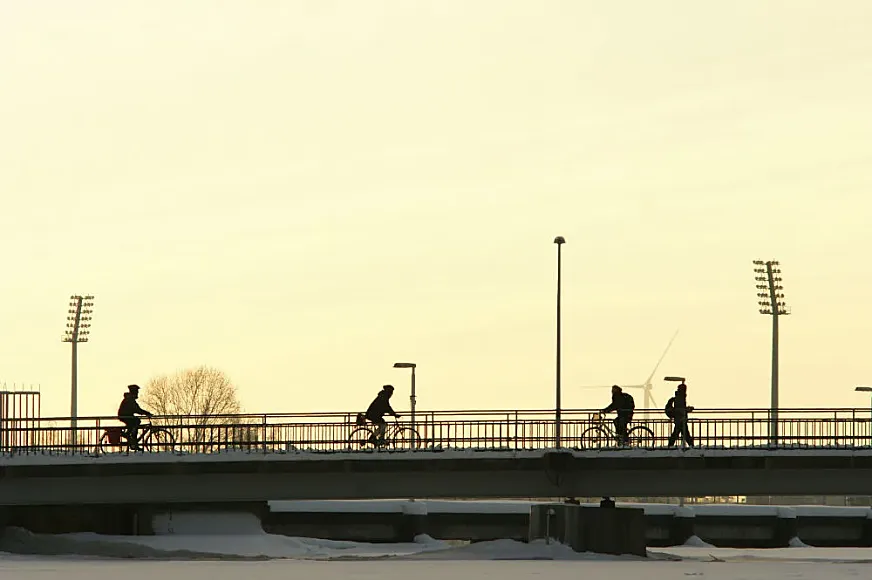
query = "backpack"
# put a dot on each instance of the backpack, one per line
(670, 408)
(631, 404)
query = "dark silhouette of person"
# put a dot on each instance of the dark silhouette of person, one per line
(376, 411)
(624, 405)
(677, 409)
(127, 411)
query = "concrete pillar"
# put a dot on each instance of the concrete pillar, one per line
(682, 528)
(607, 530)
(414, 521)
(785, 527)
(867, 531)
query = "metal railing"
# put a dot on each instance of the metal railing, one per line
(439, 430)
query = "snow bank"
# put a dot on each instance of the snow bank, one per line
(513, 550)
(697, 542)
(207, 523)
(21, 541)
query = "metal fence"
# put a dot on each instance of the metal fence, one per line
(478, 430)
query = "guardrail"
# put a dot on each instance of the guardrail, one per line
(472, 429)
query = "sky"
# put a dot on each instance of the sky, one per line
(301, 193)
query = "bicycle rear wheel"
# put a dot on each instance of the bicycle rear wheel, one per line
(159, 441)
(108, 447)
(641, 436)
(406, 438)
(594, 438)
(359, 438)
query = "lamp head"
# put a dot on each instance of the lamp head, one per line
(404, 365)
(559, 240)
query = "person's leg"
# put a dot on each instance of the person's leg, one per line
(133, 428)
(380, 429)
(676, 432)
(686, 433)
(623, 435)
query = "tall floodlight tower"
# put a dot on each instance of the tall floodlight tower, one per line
(78, 329)
(771, 302)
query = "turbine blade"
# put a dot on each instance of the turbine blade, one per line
(662, 356)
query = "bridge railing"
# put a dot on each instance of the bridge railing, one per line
(480, 429)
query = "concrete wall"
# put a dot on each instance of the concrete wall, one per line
(604, 530)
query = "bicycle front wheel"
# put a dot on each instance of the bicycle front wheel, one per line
(641, 436)
(159, 441)
(406, 438)
(594, 438)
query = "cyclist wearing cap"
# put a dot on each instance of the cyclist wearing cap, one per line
(380, 407)
(127, 411)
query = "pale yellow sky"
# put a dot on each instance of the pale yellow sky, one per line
(302, 193)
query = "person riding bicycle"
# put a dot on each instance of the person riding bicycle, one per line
(376, 411)
(623, 404)
(127, 411)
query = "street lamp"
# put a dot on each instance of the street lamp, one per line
(78, 329)
(867, 390)
(771, 302)
(675, 379)
(412, 398)
(559, 240)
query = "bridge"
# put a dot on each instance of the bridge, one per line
(244, 458)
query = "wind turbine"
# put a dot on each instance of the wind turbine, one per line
(647, 386)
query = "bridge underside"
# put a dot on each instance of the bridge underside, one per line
(231, 478)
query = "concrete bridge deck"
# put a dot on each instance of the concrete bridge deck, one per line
(249, 476)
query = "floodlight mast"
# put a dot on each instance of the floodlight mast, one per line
(78, 329)
(771, 301)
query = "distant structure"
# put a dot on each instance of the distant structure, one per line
(78, 329)
(19, 418)
(771, 301)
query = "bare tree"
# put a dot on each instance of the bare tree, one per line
(200, 396)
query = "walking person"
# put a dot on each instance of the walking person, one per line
(624, 405)
(677, 410)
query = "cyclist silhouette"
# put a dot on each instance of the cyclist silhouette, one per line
(127, 411)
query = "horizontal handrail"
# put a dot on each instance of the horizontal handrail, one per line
(472, 429)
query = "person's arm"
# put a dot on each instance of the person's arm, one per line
(391, 411)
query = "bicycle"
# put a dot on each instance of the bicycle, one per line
(151, 438)
(396, 436)
(602, 435)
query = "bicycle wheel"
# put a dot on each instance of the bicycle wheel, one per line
(159, 441)
(359, 438)
(641, 436)
(112, 443)
(594, 438)
(406, 438)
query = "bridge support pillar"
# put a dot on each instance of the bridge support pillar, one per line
(683, 527)
(785, 528)
(609, 530)
(414, 521)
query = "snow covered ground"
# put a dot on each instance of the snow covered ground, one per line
(215, 546)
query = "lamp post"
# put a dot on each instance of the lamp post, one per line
(867, 390)
(559, 240)
(678, 380)
(78, 329)
(771, 302)
(412, 398)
